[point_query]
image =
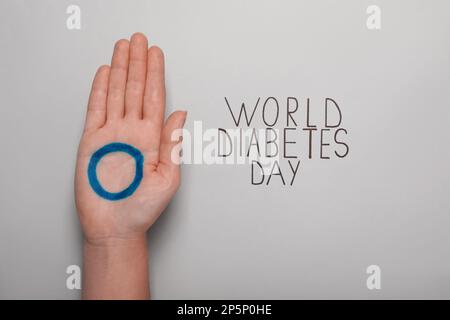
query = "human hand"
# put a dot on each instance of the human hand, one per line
(126, 105)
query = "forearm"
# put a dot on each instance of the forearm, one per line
(116, 269)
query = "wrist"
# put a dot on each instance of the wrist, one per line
(131, 240)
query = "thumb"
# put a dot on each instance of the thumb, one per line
(169, 156)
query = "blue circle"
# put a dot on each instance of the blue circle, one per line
(100, 153)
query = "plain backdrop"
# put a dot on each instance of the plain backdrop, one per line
(387, 203)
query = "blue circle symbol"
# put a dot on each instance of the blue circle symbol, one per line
(100, 153)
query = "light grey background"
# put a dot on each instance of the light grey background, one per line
(387, 203)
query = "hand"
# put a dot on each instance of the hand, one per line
(127, 105)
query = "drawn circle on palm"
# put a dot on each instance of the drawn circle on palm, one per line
(110, 148)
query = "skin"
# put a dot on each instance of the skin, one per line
(126, 104)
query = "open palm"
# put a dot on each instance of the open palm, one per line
(126, 106)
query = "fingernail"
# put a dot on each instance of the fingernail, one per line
(184, 118)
